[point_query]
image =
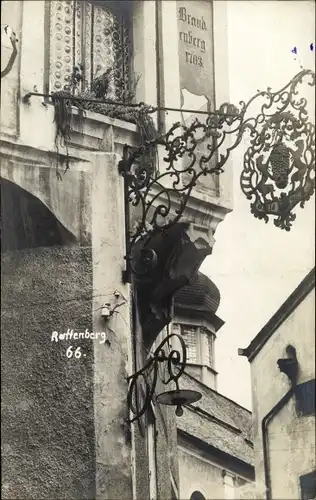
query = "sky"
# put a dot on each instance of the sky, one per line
(256, 265)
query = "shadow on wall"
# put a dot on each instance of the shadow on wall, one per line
(27, 223)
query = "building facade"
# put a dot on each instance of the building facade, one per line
(215, 448)
(66, 356)
(282, 359)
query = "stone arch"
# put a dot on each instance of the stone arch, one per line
(27, 223)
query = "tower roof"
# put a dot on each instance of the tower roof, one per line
(201, 295)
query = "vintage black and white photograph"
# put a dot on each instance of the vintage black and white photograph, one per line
(157, 250)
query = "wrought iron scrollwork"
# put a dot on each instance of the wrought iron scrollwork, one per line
(278, 168)
(279, 165)
(142, 384)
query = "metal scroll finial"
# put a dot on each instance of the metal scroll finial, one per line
(278, 167)
(9, 33)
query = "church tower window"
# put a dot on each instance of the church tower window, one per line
(189, 336)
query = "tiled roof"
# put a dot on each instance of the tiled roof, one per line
(218, 421)
(200, 295)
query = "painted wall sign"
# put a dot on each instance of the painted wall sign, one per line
(195, 40)
(196, 66)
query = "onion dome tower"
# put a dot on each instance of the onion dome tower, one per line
(195, 320)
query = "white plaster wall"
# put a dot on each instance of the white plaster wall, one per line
(111, 365)
(144, 51)
(291, 439)
(69, 200)
(198, 473)
(36, 121)
(222, 88)
(170, 60)
(11, 14)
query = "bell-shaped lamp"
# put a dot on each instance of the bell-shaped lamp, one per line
(178, 398)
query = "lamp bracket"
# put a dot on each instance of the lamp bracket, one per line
(142, 384)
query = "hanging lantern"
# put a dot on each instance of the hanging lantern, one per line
(178, 398)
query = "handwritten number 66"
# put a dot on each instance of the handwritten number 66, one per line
(77, 353)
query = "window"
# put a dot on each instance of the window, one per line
(209, 351)
(93, 33)
(189, 336)
(305, 398)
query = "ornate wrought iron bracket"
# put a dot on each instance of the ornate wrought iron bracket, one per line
(278, 168)
(143, 383)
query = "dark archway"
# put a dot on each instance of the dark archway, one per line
(197, 495)
(27, 223)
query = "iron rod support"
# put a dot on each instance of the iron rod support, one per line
(151, 109)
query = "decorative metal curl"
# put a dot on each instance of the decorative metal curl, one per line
(14, 53)
(279, 165)
(174, 362)
(277, 171)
